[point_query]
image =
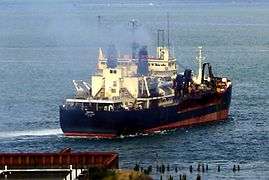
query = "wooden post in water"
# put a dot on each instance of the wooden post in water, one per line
(198, 168)
(234, 168)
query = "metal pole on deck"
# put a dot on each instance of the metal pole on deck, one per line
(5, 171)
(70, 172)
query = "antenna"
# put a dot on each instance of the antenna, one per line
(158, 38)
(134, 24)
(168, 31)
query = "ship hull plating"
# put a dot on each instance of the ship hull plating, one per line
(76, 121)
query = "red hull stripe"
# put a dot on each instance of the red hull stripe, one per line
(93, 135)
(191, 121)
(198, 107)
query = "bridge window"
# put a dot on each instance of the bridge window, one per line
(113, 71)
(113, 90)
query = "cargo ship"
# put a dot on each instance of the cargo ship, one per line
(142, 94)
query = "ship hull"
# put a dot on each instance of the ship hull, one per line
(76, 121)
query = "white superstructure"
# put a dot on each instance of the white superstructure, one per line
(125, 84)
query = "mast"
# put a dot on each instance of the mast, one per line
(168, 31)
(133, 23)
(160, 38)
(200, 58)
(101, 56)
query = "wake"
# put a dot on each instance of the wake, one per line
(41, 132)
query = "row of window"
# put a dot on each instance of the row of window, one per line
(156, 64)
(112, 71)
(152, 64)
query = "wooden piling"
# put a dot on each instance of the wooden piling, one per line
(190, 168)
(168, 167)
(198, 168)
(234, 168)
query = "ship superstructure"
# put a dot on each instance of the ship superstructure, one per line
(130, 95)
(134, 82)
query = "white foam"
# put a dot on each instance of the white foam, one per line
(41, 132)
(264, 50)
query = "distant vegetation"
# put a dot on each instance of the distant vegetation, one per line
(103, 174)
(127, 175)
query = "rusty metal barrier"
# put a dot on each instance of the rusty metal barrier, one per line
(62, 159)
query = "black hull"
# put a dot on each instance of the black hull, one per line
(76, 121)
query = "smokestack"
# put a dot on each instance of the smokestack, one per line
(143, 61)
